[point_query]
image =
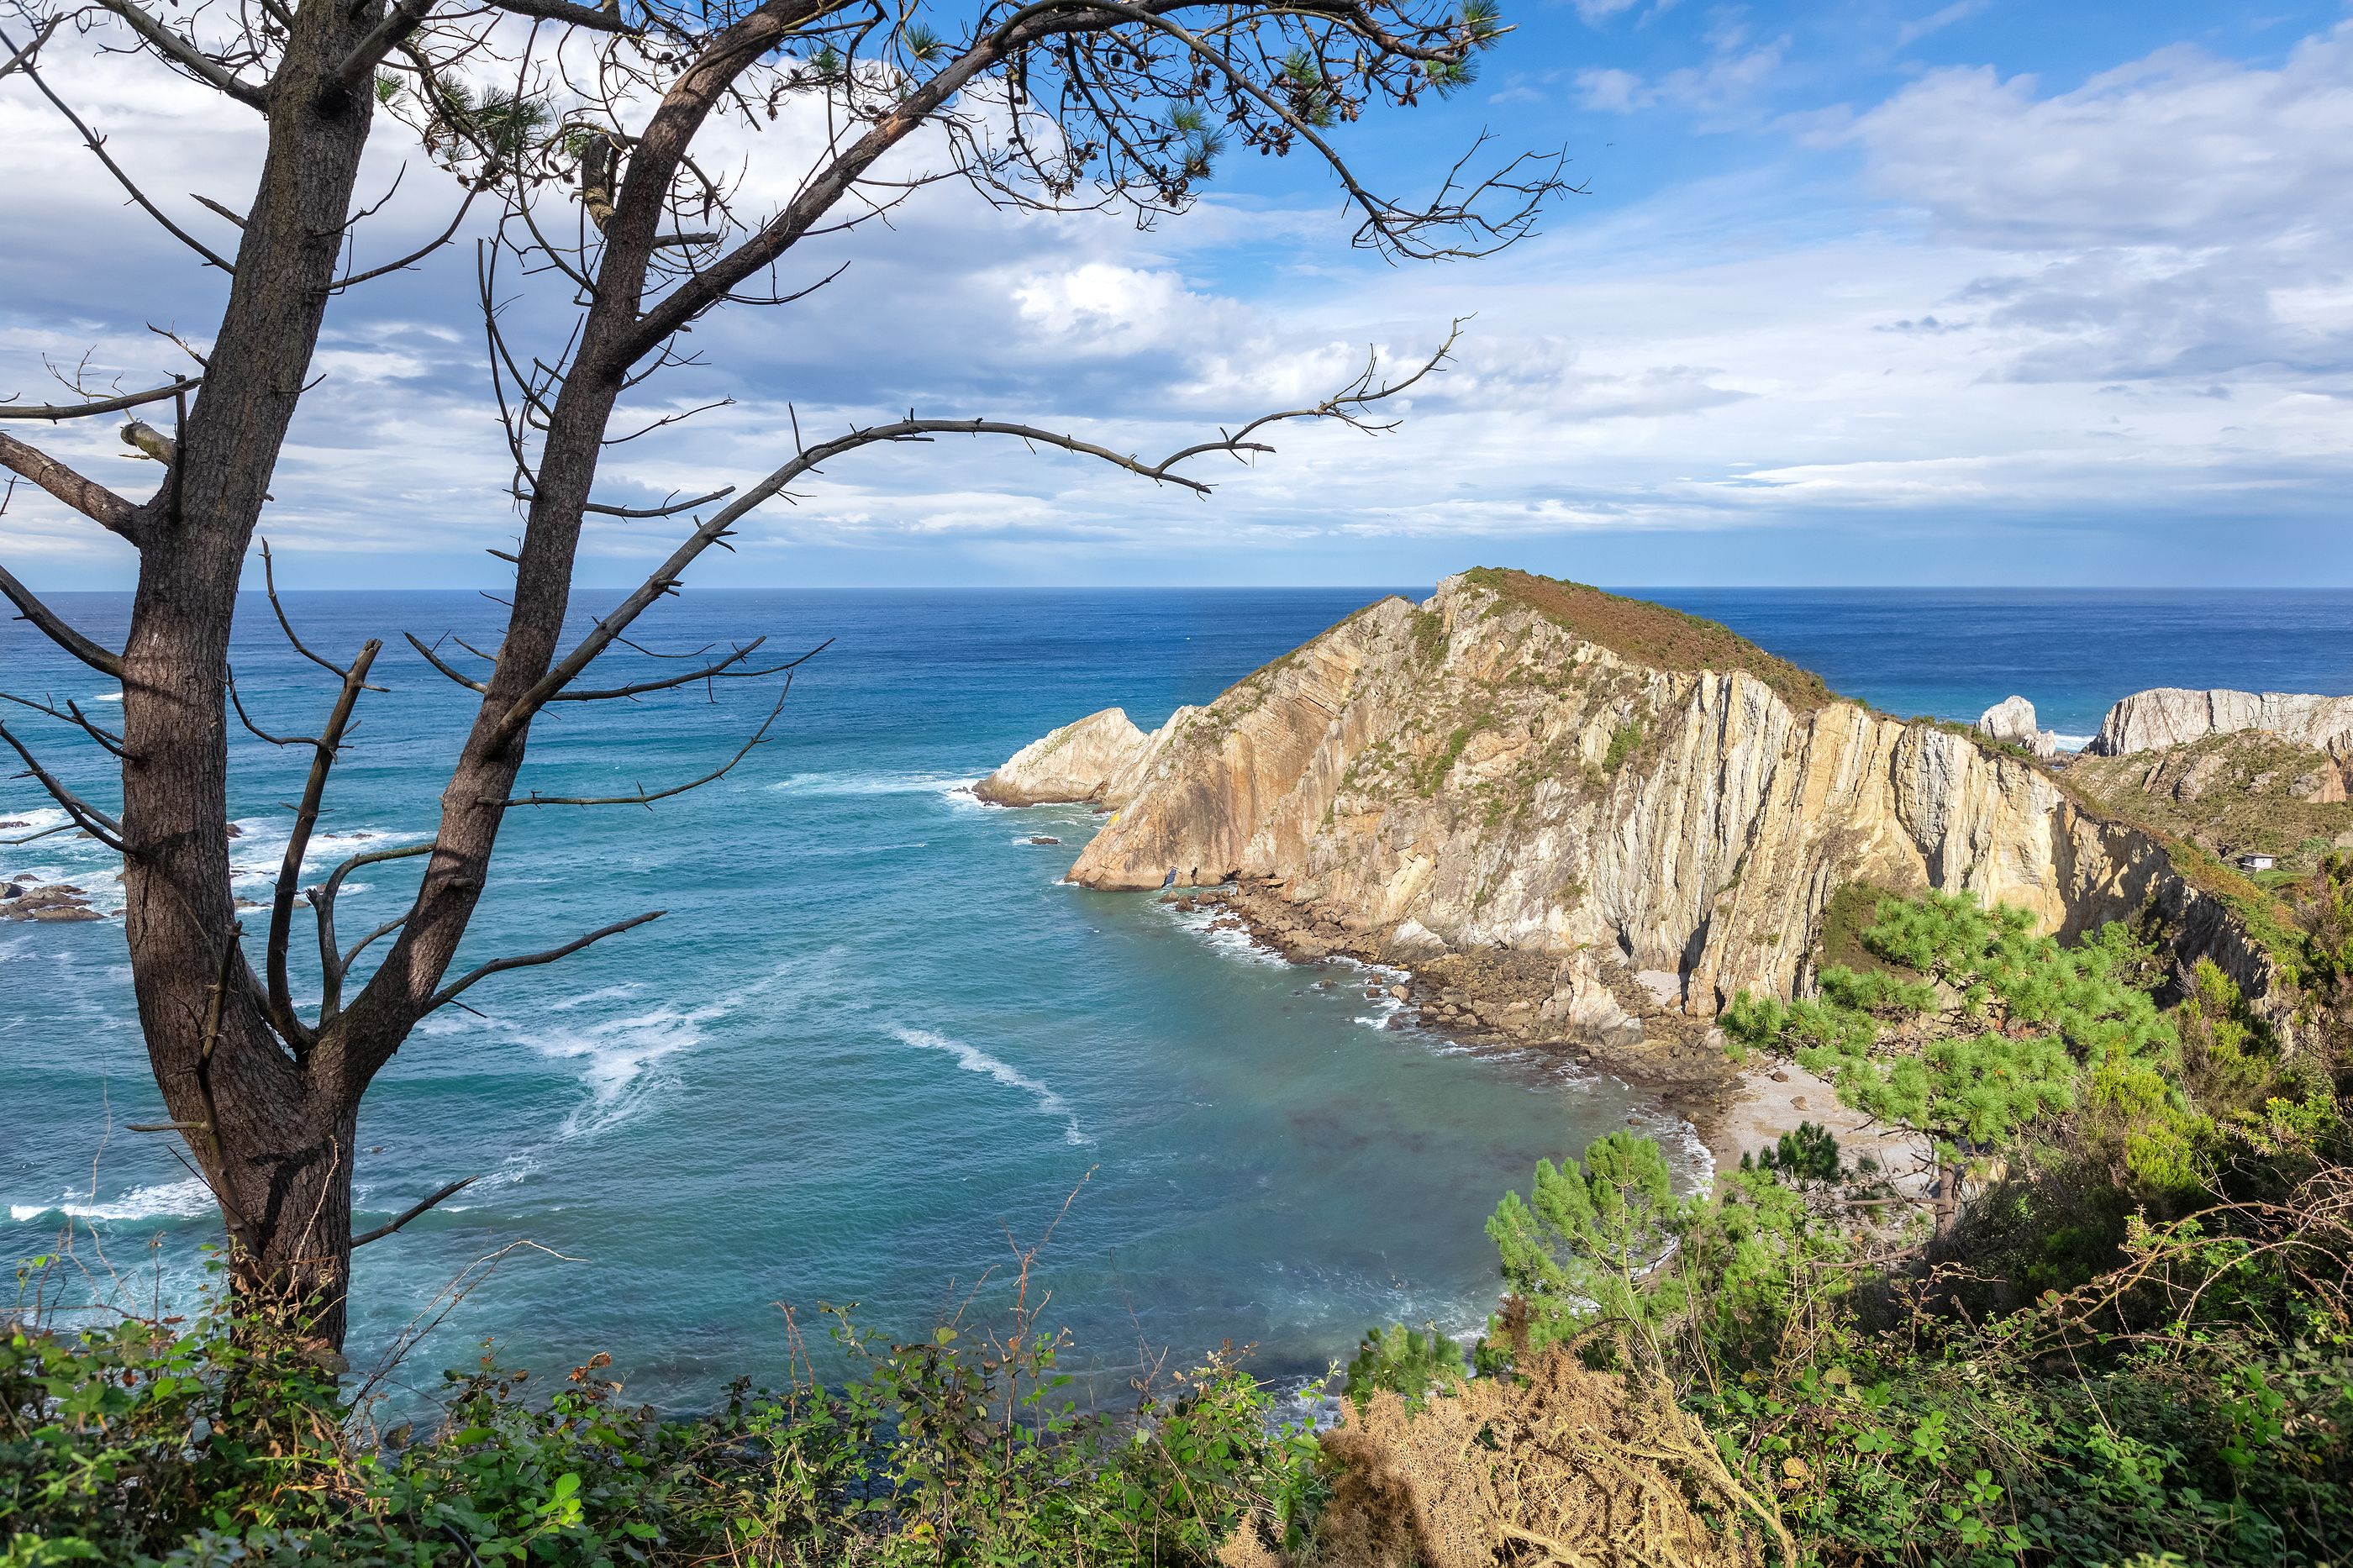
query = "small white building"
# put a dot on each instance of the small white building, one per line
(2256, 862)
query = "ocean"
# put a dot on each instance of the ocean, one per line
(876, 1049)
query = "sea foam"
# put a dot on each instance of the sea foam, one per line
(167, 1200)
(972, 1058)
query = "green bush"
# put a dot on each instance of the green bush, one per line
(1401, 1361)
(183, 1444)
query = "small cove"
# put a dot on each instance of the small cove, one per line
(876, 1035)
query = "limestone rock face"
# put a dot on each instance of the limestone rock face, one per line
(1481, 772)
(1078, 762)
(2012, 719)
(2173, 716)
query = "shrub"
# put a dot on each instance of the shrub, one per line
(184, 1443)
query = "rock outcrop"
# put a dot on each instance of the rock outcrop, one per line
(1531, 767)
(52, 902)
(2242, 791)
(2173, 716)
(2012, 719)
(1078, 762)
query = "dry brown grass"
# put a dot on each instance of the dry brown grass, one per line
(1654, 635)
(1564, 1466)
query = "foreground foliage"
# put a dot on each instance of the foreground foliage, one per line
(2126, 1337)
(178, 1444)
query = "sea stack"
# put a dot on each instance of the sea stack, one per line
(2012, 719)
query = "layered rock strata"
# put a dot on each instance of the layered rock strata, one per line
(1595, 820)
(1075, 763)
(2173, 716)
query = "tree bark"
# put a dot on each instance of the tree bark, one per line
(275, 1144)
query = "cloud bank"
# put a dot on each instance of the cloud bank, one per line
(2116, 311)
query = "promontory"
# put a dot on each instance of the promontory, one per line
(1582, 817)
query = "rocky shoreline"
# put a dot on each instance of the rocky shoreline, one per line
(1500, 1000)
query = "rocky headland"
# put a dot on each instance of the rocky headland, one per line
(1587, 821)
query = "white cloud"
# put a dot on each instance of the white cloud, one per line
(2180, 215)
(2081, 273)
(1936, 21)
(2176, 148)
(1732, 75)
(1597, 12)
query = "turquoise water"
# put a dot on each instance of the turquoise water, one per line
(875, 1037)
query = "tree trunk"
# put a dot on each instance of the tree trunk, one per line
(1948, 1197)
(274, 1143)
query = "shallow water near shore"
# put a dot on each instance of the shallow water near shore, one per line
(875, 1038)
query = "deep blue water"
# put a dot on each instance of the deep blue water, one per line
(874, 1035)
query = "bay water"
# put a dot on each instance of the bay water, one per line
(875, 1046)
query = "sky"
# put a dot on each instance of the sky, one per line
(1858, 291)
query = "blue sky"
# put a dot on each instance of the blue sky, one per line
(1977, 292)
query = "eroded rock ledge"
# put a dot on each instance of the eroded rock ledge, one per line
(1601, 818)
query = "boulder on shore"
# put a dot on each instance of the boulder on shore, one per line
(2012, 719)
(2175, 716)
(1076, 763)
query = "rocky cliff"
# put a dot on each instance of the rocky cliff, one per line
(1631, 810)
(1078, 762)
(2172, 716)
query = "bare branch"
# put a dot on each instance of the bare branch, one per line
(104, 661)
(97, 144)
(530, 960)
(435, 660)
(73, 715)
(150, 442)
(24, 55)
(399, 22)
(207, 202)
(380, 1232)
(87, 817)
(646, 797)
(88, 497)
(414, 257)
(344, 962)
(669, 509)
(333, 966)
(298, 842)
(269, 581)
(721, 670)
(57, 411)
(711, 285)
(238, 704)
(183, 52)
(575, 16)
(1347, 406)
